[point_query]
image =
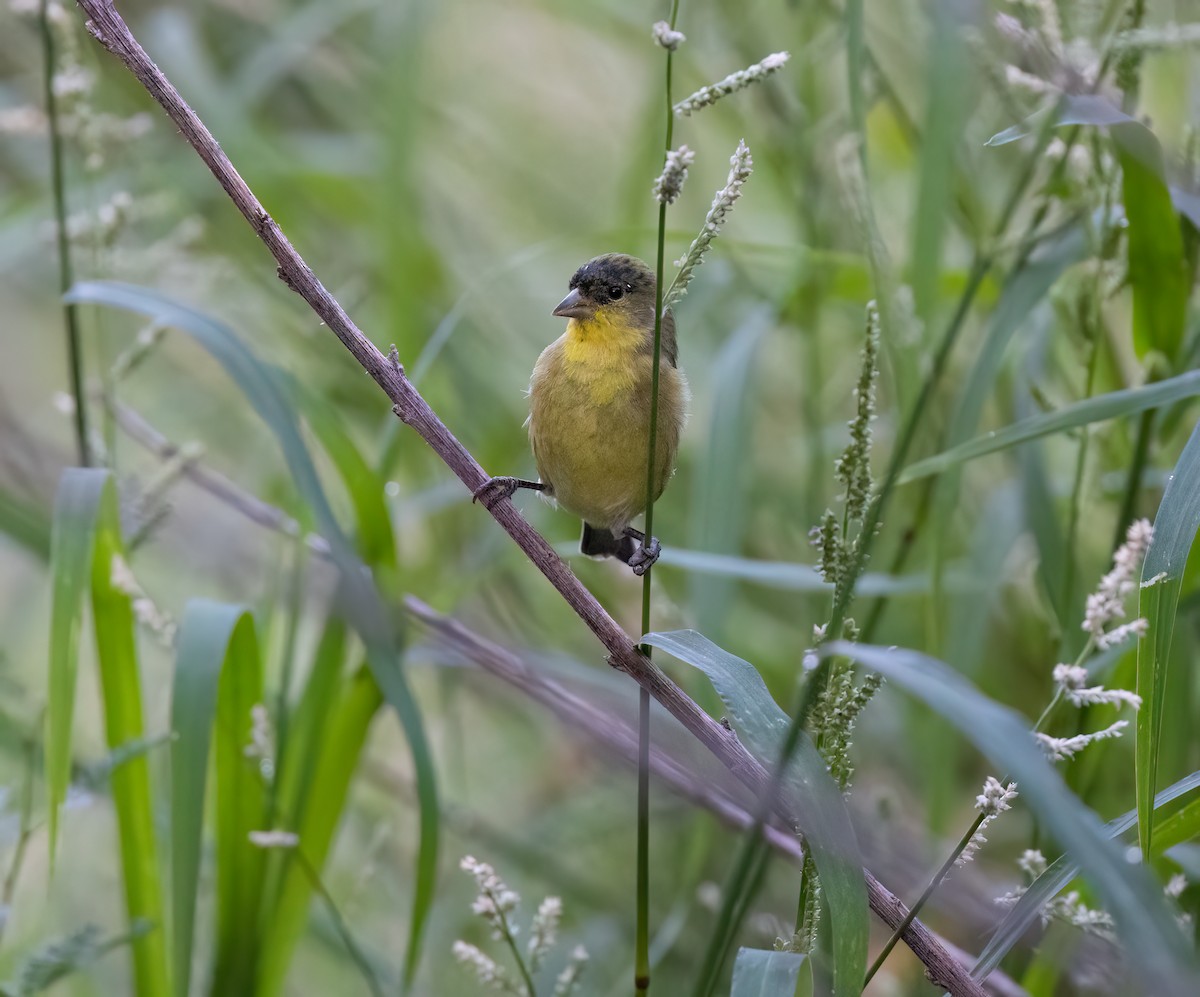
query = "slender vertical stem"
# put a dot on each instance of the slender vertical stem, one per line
(65, 275)
(642, 941)
(934, 883)
(24, 833)
(965, 840)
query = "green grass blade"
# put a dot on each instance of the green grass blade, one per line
(783, 574)
(120, 684)
(1175, 528)
(72, 540)
(240, 808)
(1097, 409)
(1064, 869)
(763, 973)
(204, 645)
(25, 523)
(261, 384)
(340, 749)
(762, 726)
(719, 485)
(1073, 109)
(376, 543)
(309, 722)
(947, 72)
(1152, 941)
(1158, 271)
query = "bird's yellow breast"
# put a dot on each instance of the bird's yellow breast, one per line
(589, 420)
(601, 355)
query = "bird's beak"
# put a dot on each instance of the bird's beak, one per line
(575, 305)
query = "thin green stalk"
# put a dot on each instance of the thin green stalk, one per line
(339, 925)
(641, 969)
(1081, 455)
(506, 931)
(734, 907)
(934, 883)
(25, 832)
(65, 273)
(727, 921)
(965, 840)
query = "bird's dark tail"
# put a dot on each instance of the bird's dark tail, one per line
(599, 542)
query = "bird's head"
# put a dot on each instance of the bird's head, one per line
(611, 288)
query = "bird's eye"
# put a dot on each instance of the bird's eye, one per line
(615, 292)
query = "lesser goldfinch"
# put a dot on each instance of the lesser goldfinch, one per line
(589, 411)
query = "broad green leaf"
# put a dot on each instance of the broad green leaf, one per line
(1083, 413)
(1157, 269)
(308, 724)
(1152, 941)
(1175, 528)
(213, 636)
(120, 684)
(820, 809)
(719, 486)
(764, 973)
(947, 71)
(363, 608)
(1182, 825)
(77, 507)
(357, 703)
(1064, 869)
(240, 799)
(86, 553)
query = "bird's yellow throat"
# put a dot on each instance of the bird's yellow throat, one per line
(601, 354)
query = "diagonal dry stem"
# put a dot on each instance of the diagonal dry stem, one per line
(108, 27)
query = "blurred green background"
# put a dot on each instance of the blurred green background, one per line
(443, 168)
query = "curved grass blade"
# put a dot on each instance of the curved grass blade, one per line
(214, 637)
(719, 487)
(1064, 869)
(25, 523)
(789, 575)
(72, 540)
(375, 541)
(1083, 413)
(261, 384)
(820, 808)
(86, 549)
(1175, 528)
(1158, 271)
(764, 973)
(1152, 941)
(1070, 109)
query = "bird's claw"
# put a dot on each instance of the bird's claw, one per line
(494, 489)
(645, 556)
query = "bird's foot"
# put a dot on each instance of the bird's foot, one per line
(502, 487)
(645, 555)
(494, 489)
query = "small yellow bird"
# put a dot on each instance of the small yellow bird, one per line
(589, 411)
